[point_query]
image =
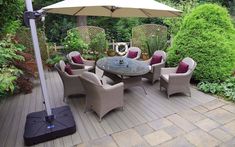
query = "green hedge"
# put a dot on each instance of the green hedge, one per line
(207, 35)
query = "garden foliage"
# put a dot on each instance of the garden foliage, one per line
(74, 42)
(11, 12)
(23, 36)
(225, 89)
(206, 35)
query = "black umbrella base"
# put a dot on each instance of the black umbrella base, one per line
(38, 130)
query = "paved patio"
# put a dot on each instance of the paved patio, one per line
(147, 120)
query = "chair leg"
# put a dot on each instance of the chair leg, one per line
(122, 108)
(65, 99)
(100, 119)
(144, 90)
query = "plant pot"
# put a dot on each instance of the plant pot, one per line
(144, 56)
(111, 53)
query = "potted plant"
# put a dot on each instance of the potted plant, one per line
(156, 42)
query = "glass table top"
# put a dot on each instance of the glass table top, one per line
(123, 66)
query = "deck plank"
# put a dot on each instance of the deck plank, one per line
(11, 137)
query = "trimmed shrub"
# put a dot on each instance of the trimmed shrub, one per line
(207, 35)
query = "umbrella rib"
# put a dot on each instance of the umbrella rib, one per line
(174, 13)
(78, 11)
(146, 13)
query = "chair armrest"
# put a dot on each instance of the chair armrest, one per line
(78, 71)
(76, 66)
(115, 87)
(116, 90)
(158, 67)
(71, 76)
(179, 78)
(89, 62)
(168, 70)
(147, 61)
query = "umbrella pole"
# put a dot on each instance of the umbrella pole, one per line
(38, 58)
(43, 125)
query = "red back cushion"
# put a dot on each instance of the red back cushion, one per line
(132, 54)
(182, 68)
(77, 59)
(156, 59)
(68, 69)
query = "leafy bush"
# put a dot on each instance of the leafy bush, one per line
(11, 11)
(207, 35)
(98, 43)
(8, 77)
(225, 89)
(8, 51)
(74, 42)
(55, 58)
(14, 72)
(23, 36)
(156, 42)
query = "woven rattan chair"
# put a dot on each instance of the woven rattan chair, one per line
(177, 82)
(155, 71)
(71, 83)
(101, 98)
(134, 49)
(87, 64)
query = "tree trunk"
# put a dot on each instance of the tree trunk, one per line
(82, 21)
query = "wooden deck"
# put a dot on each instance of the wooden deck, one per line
(139, 109)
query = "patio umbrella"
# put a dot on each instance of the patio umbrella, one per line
(112, 8)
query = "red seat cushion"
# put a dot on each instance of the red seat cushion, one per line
(77, 59)
(182, 68)
(132, 54)
(156, 59)
(68, 69)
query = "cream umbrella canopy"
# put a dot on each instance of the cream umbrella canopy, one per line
(112, 8)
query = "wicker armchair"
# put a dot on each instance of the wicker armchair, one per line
(134, 49)
(177, 82)
(155, 71)
(88, 64)
(101, 98)
(72, 83)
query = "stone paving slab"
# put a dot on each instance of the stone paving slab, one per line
(221, 135)
(160, 123)
(192, 115)
(181, 122)
(200, 109)
(220, 115)
(177, 142)
(207, 124)
(200, 138)
(106, 141)
(157, 137)
(229, 127)
(230, 108)
(129, 138)
(174, 131)
(214, 104)
(144, 129)
(230, 143)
